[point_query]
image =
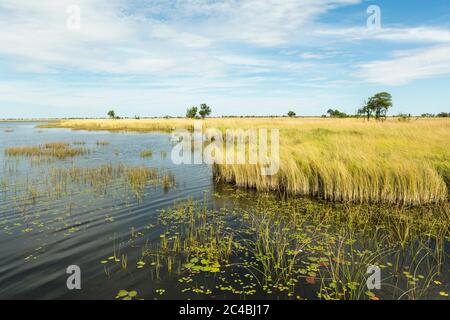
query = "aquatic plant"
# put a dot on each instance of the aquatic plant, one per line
(146, 154)
(101, 178)
(126, 295)
(102, 143)
(332, 159)
(281, 244)
(60, 150)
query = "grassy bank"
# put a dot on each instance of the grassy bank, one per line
(334, 159)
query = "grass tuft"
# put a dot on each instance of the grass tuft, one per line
(60, 150)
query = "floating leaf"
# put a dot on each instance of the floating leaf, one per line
(132, 294)
(122, 293)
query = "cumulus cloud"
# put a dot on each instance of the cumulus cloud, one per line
(200, 46)
(163, 36)
(407, 66)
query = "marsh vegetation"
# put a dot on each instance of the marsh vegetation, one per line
(59, 150)
(332, 159)
(143, 228)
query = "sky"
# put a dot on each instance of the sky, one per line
(81, 58)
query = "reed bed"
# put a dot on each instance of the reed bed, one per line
(103, 176)
(60, 150)
(348, 160)
(145, 125)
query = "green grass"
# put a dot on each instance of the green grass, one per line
(283, 245)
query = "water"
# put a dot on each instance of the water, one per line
(52, 245)
(40, 237)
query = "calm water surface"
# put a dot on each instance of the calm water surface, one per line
(99, 222)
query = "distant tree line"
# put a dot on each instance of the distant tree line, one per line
(376, 107)
(336, 113)
(439, 115)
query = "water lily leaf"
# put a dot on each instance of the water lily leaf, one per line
(204, 261)
(132, 294)
(122, 293)
(370, 294)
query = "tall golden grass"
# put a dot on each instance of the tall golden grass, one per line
(334, 159)
(60, 150)
(144, 125)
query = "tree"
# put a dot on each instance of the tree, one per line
(191, 113)
(443, 115)
(378, 105)
(112, 114)
(365, 111)
(291, 114)
(336, 113)
(205, 110)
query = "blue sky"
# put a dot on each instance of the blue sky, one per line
(256, 57)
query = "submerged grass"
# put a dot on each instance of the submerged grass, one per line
(146, 154)
(102, 143)
(286, 248)
(102, 177)
(333, 159)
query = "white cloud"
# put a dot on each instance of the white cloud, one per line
(413, 35)
(35, 37)
(191, 48)
(312, 55)
(269, 23)
(407, 66)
